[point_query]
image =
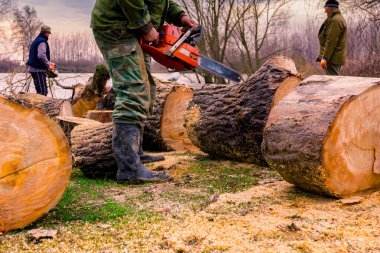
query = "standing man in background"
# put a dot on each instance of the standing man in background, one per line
(117, 27)
(39, 60)
(332, 39)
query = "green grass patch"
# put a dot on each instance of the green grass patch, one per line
(85, 200)
(215, 176)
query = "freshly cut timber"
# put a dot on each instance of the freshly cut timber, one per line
(164, 129)
(90, 95)
(68, 123)
(228, 120)
(324, 137)
(52, 107)
(103, 116)
(92, 150)
(35, 162)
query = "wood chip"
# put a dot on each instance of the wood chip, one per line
(352, 200)
(39, 234)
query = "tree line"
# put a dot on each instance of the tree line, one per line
(242, 34)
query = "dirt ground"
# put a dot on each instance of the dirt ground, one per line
(211, 206)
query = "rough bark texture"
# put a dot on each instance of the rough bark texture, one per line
(50, 106)
(324, 136)
(228, 120)
(68, 123)
(35, 164)
(92, 149)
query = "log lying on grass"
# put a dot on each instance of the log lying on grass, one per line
(325, 136)
(35, 162)
(92, 144)
(228, 120)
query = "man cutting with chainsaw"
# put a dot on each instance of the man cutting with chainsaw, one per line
(117, 27)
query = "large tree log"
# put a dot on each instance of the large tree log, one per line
(92, 92)
(35, 162)
(92, 144)
(325, 136)
(228, 120)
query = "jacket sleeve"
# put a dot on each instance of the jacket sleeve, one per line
(175, 13)
(333, 34)
(41, 54)
(136, 12)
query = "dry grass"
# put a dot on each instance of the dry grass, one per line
(212, 206)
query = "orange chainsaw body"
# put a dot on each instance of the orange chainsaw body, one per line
(185, 57)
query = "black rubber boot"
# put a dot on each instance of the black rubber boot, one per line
(145, 158)
(126, 145)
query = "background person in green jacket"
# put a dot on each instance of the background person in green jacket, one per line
(332, 39)
(118, 26)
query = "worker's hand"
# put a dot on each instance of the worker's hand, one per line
(52, 66)
(323, 63)
(187, 21)
(152, 36)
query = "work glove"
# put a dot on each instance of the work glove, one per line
(52, 66)
(323, 63)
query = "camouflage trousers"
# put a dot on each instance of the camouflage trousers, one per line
(131, 78)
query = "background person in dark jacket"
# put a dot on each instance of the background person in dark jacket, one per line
(39, 60)
(333, 38)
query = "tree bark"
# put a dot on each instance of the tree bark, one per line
(227, 121)
(50, 106)
(324, 137)
(68, 123)
(35, 164)
(92, 149)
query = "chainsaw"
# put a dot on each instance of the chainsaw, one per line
(177, 51)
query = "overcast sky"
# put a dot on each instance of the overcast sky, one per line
(64, 15)
(74, 15)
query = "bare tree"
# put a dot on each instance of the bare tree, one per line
(26, 26)
(219, 19)
(259, 26)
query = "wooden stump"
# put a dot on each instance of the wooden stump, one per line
(227, 121)
(35, 162)
(103, 116)
(325, 136)
(92, 149)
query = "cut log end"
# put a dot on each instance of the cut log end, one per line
(103, 116)
(35, 164)
(323, 137)
(351, 151)
(173, 130)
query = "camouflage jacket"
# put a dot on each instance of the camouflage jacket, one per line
(134, 14)
(333, 38)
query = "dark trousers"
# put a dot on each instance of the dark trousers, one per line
(39, 79)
